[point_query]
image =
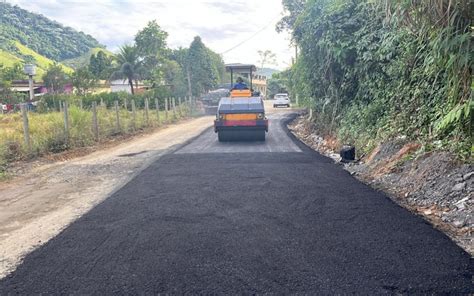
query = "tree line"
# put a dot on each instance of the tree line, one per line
(185, 71)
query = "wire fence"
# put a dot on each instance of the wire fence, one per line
(28, 133)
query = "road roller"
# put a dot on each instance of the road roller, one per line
(241, 116)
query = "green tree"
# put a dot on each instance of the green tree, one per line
(218, 65)
(294, 8)
(12, 73)
(278, 83)
(203, 75)
(130, 66)
(382, 68)
(150, 43)
(180, 56)
(174, 77)
(151, 40)
(7, 75)
(55, 79)
(83, 81)
(100, 65)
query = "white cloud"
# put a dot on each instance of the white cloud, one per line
(222, 24)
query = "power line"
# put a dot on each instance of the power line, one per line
(252, 36)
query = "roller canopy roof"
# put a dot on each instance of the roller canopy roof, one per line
(240, 68)
(241, 105)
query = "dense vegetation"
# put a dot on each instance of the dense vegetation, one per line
(41, 35)
(373, 70)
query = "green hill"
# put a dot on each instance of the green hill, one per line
(25, 55)
(84, 59)
(7, 59)
(41, 35)
(268, 72)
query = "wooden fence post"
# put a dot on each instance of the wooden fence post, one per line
(117, 117)
(61, 106)
(134, 115)
(26, 127)
(157, 106)
(125, 103)
(66, 122)
(188, 99)
(180, 108)
(95, 122)
(174, 108)
(81, 104)
(166, 110)
(146, 111)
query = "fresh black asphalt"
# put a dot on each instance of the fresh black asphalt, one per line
(226, 223)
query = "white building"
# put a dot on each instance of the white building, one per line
(120, 85)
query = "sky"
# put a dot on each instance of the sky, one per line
(247, 25)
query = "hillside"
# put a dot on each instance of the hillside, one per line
(268, 72)
(84, 59)
(45, 37)
(19, 53)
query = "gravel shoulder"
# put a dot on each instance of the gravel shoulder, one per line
(41, 202)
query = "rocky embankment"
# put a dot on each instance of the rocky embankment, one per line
(432, 184)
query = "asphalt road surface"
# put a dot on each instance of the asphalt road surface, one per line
(258, 218)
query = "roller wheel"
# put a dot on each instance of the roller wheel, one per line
(260, 136)
(222, 136)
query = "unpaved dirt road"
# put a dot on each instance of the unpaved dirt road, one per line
(213, 218)
(40, 204)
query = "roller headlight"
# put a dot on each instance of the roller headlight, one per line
(221, 116)
(260, 116)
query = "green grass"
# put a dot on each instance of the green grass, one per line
(42, 62)
(7, 59)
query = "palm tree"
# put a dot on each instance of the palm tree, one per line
(129, 65)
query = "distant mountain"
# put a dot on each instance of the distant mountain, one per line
(41, 35)
(267, 72)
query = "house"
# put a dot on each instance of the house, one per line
(259, 83)
(39, 89)
(22, 86)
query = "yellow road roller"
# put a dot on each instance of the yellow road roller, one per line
(241, 116)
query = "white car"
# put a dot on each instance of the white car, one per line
(281, 100)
